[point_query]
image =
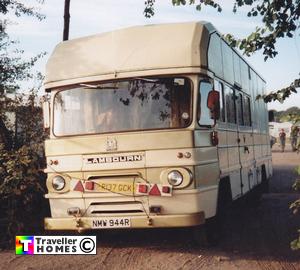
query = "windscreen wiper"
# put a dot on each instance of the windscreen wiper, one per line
(147, 80)
(97, 86)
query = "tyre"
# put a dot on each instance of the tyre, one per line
(210, 233)
(264, 181)
(199, 235)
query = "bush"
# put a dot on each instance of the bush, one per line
(295, 206)
(22, 181)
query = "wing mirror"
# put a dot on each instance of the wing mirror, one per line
(213, 103)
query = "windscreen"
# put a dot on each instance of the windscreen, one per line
(136, 104)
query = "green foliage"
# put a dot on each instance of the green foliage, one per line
(21, 136)
(14, 69)
(22, 181)
(18, 8)
(295, 244)
(280, 18)
(281, 94)
(150, 4)
(295, 207)
(199, 4)
(292, 114)
(21, 192)
(149, 8)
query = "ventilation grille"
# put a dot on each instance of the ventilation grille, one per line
(115, 208)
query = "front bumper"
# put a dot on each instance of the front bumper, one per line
(155, 221)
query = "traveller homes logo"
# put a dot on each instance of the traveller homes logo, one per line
(38, 245)
(24, 245)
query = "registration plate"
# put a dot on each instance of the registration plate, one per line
(120, 187)
(111, 223)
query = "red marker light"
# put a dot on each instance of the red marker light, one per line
(166, 189)
(143, 188)
(155, 191)
(89, 185)
(79, 186)
(214, 138)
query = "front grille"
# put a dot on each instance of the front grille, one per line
(115, 208)
(116, 212)
(128, 177)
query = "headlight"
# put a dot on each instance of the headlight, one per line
(175, 178)
(58, 183)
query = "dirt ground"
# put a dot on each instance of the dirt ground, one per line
(255, 237)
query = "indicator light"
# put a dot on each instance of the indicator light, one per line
(89, 185)
(166, 189)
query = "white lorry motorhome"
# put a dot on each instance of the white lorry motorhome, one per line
(151, 126)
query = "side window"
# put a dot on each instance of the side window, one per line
(204, 115)
(220, 88)
(245, 77)
(239, 106)
(215, 55)
(247, 111)
(230, 105)
(227, 63)
(237, 69)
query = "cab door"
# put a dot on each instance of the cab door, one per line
(234, 164)
(228, 151)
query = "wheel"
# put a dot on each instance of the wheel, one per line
(224, 200)
(264, 181)
(208, 234)
(199, 235)
(265, 186)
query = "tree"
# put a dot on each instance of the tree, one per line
(291, 114)
(21, 147)
(280, 18)
(13, 68)
(18, 8)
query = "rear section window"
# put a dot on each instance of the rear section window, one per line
(220, 88)
(230, 105)
(247, 111)
(239, 105)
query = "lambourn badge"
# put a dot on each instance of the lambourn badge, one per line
(114, 159)
(111, 144)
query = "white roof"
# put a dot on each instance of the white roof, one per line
(125, 52)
